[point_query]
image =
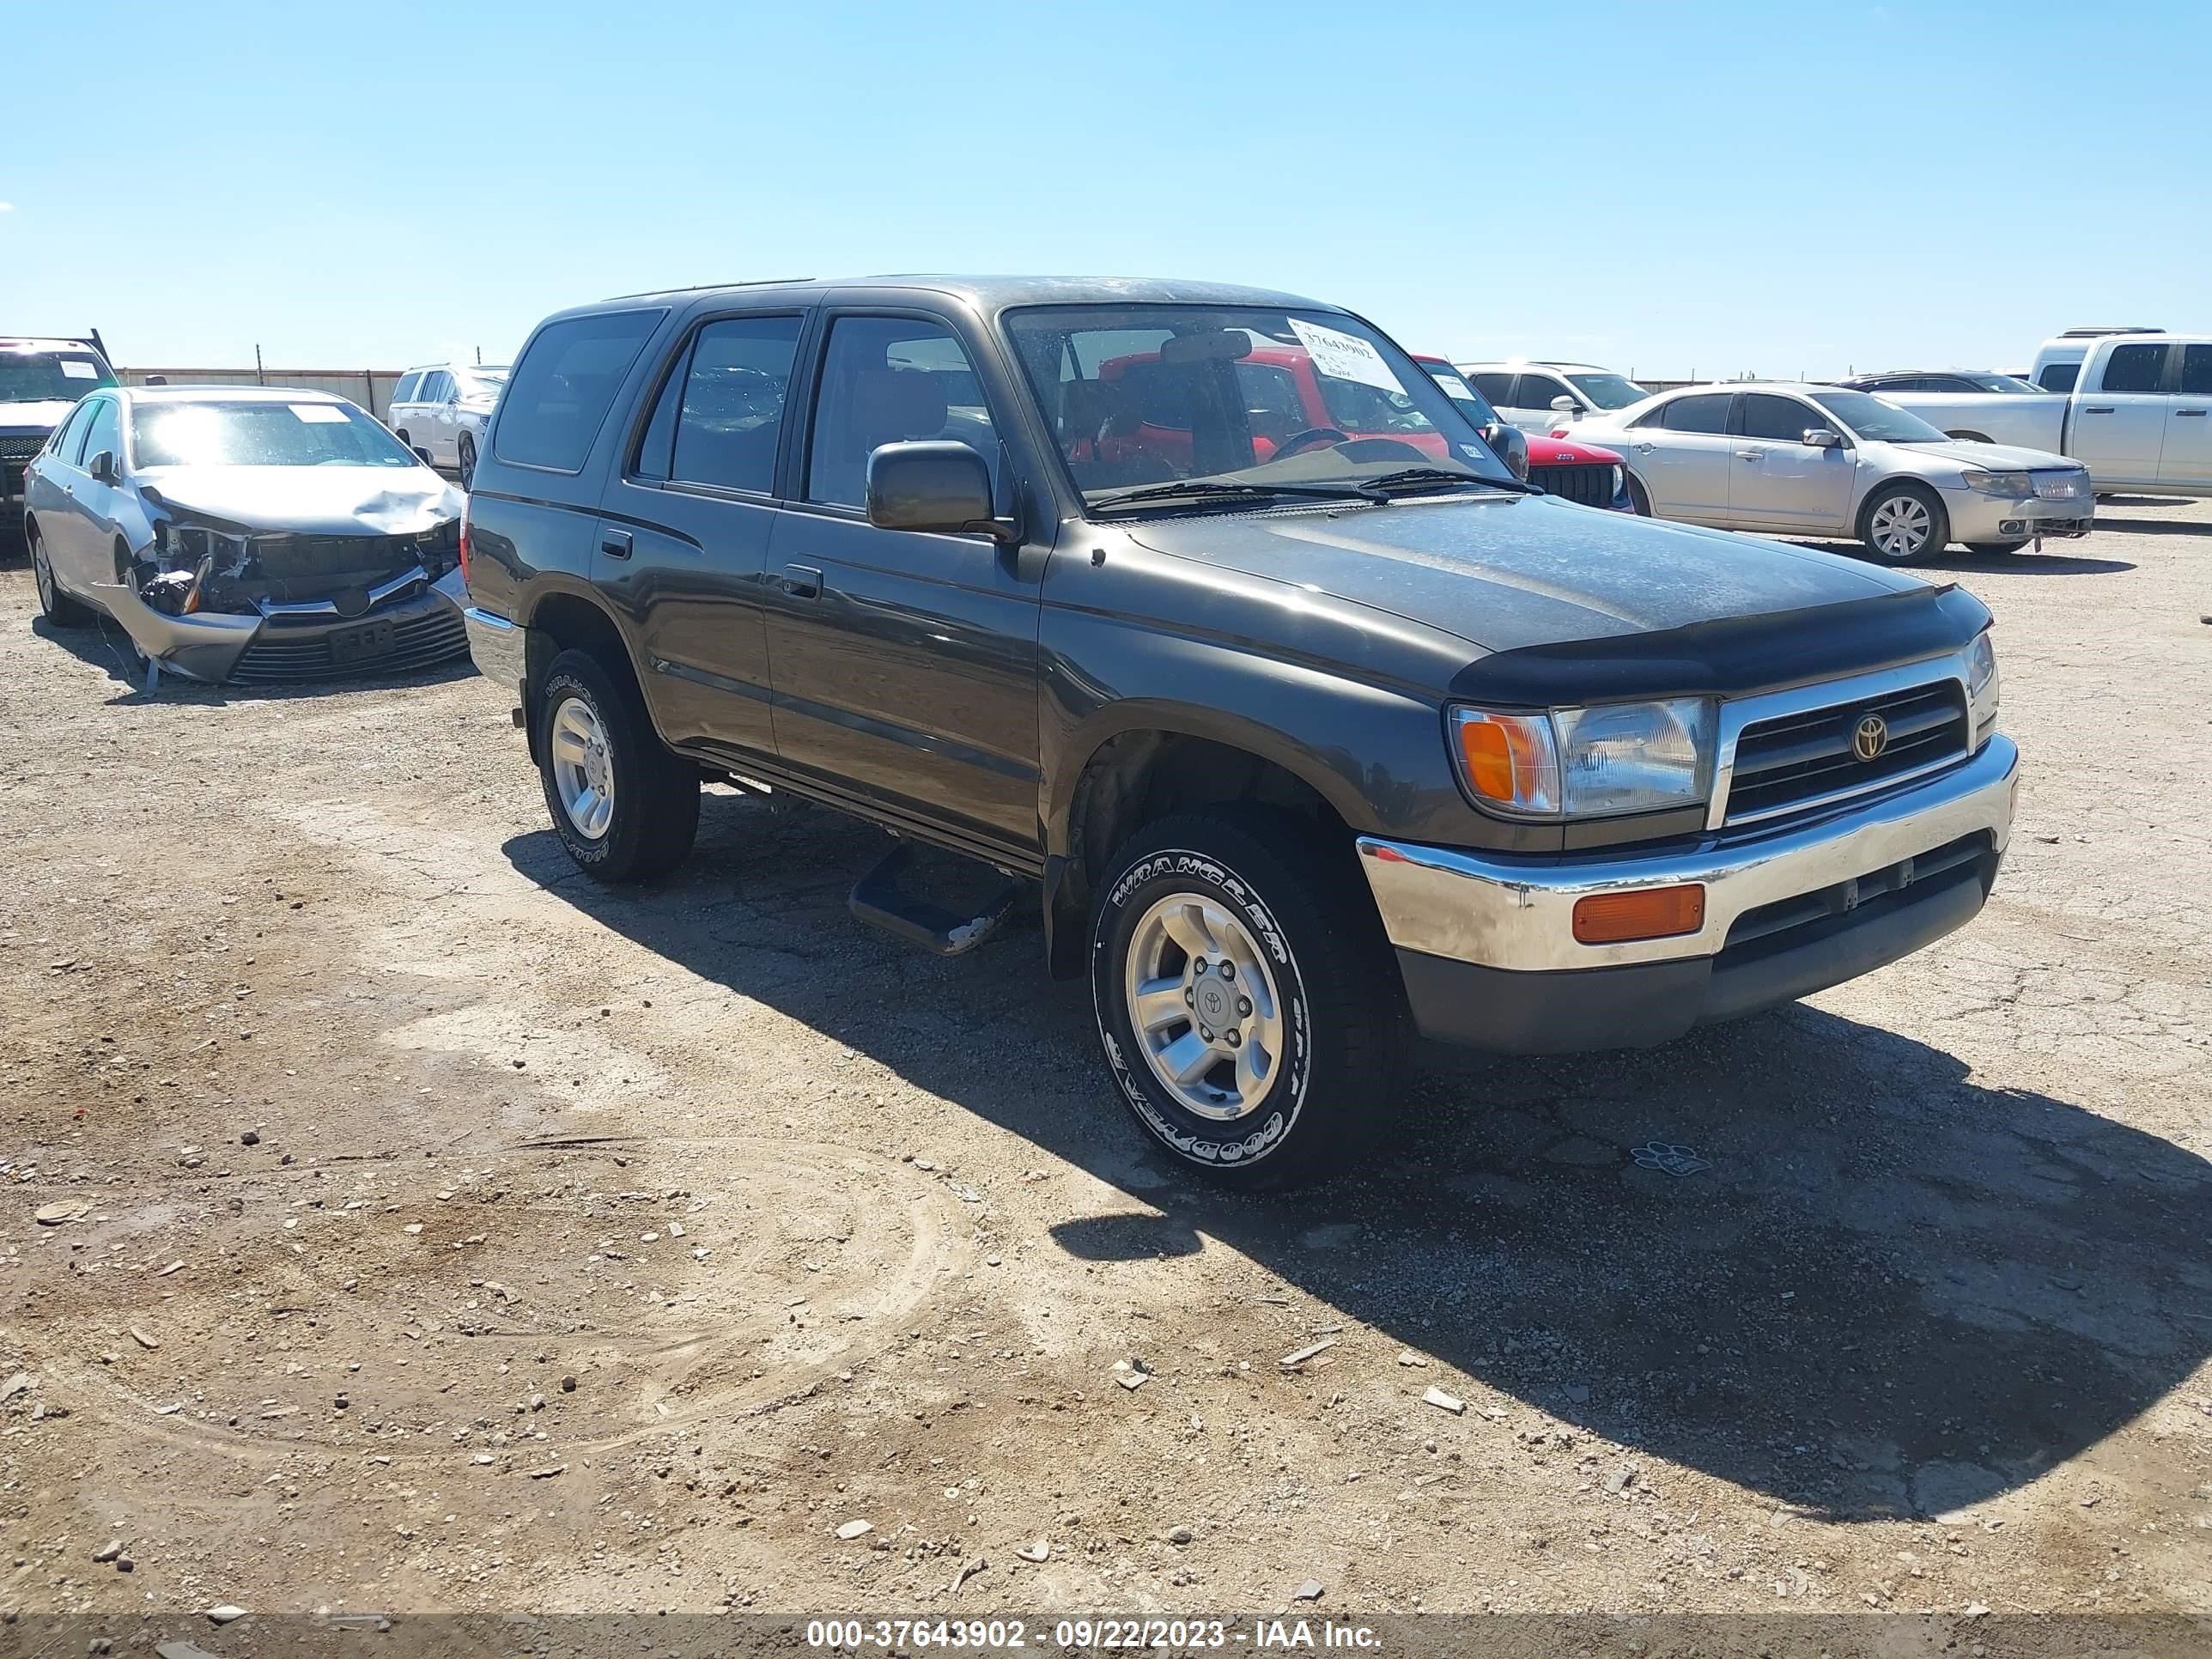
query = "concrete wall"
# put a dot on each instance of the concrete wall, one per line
(369, 388)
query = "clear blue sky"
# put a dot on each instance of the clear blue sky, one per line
(1663, 187)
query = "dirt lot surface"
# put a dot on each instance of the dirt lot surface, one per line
(452, 1234)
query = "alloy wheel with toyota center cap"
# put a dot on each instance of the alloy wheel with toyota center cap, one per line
(1205, 1007)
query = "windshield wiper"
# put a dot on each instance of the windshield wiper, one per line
(1407, 477)
(1202, 490)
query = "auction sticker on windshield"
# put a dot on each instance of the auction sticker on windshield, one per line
(78, 370)
(319, 414)
(1345, 356)
(1454, 387)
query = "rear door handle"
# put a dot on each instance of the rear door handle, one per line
(1749, 454)
(2190, 411)
(2101, 409)
(615, 543)
(1645, 449)
(801, 581)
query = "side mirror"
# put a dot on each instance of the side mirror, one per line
(157, 379)
(1566, 405)
(102, 467)
(1821, 437)
(938, 486)
(1512, 446)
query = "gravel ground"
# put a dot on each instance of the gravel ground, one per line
(458, 1235)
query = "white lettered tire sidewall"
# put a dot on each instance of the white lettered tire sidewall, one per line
(1273, 1126)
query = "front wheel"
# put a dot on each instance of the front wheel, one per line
(1903, 522)
(1249, 1007)
(625, 806)
(468, 460)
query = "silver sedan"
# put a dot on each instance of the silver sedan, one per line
(1822, 461)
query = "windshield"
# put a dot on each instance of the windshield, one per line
(261, 434)
(1869, 417)
(1465, 398)
(1239, 399)
(1608, 391)
(2005, 383)
(39, 377)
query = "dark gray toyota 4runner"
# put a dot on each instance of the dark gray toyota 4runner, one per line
(1301, 734)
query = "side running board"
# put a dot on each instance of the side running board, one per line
(878, 899)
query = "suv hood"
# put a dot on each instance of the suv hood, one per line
(1505, 572)
(320, 501)
(40, 417)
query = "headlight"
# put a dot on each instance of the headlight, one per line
(2007, 485)
(1982, 685)
(1620, 480)
(1600, 762)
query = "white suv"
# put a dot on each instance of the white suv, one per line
(441, 412)
(1538, 397)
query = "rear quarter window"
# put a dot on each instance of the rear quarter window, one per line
(561, 390)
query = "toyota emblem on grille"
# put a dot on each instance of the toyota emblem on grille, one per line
(1871, 738)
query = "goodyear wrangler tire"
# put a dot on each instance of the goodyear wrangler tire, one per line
(623, 804)
(1250, 1013)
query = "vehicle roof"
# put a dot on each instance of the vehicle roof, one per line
(38, 343)
(228, 394)
(989, 294)
(2085, 343)
(449, 365)
(1876, 373)
(1537, 362)
(1801, 388)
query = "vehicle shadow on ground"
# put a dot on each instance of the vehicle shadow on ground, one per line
(1894, 1292)
(103, 644)
(2164, 526)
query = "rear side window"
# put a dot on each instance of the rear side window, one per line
(57, 445)
(721, 411)
(2059, 377)
(1708, 411)
(404, 392)
(1497, 388)
(2197, 371)
(564, 385)
(2135, 368)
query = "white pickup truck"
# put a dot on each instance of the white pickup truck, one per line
(2139, 417)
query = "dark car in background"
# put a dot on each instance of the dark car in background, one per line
(246, 532)
(1293, 745)
(40, 380)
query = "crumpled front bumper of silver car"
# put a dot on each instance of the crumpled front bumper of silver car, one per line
(1486, 942)
(214, 645)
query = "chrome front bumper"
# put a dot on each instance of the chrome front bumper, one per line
(1517, 915)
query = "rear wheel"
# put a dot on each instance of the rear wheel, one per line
(625, 806)
(59, 608)
(1903, 522)
(1249, 1007)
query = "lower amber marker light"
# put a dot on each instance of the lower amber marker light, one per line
(1647, 913)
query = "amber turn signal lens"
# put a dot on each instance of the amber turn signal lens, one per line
(1648, 913)
(1505, 762)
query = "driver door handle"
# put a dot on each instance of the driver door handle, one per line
(2101, 409)
(1644, 448)
(1749, 454)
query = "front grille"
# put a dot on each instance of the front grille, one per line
(295, 653)
(1798, 760)
(1586, 482)
(16, 454)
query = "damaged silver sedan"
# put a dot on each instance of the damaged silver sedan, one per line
(246, 533)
